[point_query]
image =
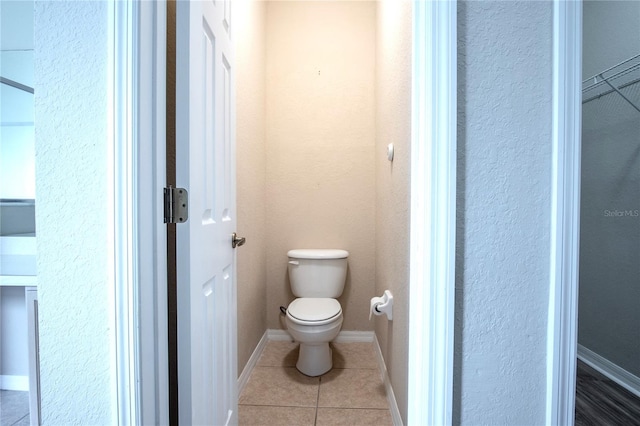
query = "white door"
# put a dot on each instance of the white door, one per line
(205, 166)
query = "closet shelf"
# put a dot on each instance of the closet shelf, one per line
(616, 79)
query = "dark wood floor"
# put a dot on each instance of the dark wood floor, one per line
(602, 402)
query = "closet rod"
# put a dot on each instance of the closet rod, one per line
(16, 85)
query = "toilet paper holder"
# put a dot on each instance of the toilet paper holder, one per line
(382, 305)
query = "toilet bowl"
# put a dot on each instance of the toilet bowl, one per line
(315, 317)
(307, 326)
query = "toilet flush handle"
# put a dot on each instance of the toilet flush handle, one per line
(294, 262)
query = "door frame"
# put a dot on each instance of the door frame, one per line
(562, 333)
(433, 213)
(137, 104)
(122, 201)
(152, 356)
(142, 393)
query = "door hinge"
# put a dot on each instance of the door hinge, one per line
(176, 205)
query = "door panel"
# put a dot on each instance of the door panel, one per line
(205, 166)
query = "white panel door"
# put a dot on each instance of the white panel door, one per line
(205, 166)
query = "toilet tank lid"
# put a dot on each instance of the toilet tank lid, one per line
(318, 254)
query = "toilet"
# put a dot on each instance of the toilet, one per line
(314, 319)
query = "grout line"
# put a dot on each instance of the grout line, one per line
(337, 407)
(315, 420)
(276, 406)
(355, 368)
(276, 366)
(358, 408)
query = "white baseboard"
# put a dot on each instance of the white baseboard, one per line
(14, 383)
(355, 337)
(344, 337)
(278, 335)
(253, 360)
(396, 418)
(609, 369)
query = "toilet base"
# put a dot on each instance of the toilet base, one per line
(314, 360)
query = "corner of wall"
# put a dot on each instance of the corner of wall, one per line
(393, 125)
(250, 22)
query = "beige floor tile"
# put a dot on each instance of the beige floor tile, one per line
(352, 388)
(353, 417)
(254, 415)
(280, 386)
(279, 354)
(354, 355)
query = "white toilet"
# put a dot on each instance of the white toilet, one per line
(314, 319)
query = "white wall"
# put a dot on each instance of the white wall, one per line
(610, 34)
(72, 213)
(17, 163)
(503, 208)
(17, 175)
(609, 318)
(14, 359)
(16, 25)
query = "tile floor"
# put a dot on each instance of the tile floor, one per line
(14, 408)
(352, 393)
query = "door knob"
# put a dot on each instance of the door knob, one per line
(237, 241)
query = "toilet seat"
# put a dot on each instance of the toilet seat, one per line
(314, 311)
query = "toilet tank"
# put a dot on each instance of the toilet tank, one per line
(317, 272)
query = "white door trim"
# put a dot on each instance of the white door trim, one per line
(150, 77)
(433, 213)
(137, 131)
(565, 212)
(122, 199)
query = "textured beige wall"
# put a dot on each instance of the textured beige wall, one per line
(393, 125)
(320, 127)
(249, 18)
